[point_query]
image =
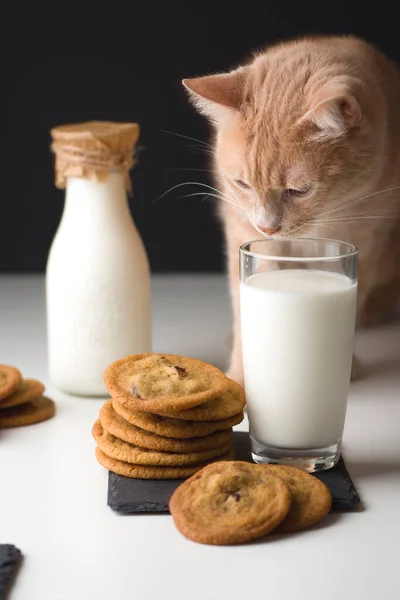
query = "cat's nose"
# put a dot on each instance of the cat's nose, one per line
(268, 230)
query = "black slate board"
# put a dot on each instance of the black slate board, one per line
(130, 496)
(10, 559)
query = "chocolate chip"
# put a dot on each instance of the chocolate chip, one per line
(235, 495)
(181, 371)
(135, 391)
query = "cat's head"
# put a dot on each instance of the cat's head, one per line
(292, 139)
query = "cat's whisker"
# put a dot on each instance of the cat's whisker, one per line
(202, 149)
(208, 187)
(378, 215)
(353, 217)
(232, 198)
(178, 185)
(217, 191)
(383, 211)
(174, 187)
(351, 203)
(383, 223)
(197, 194)
(218, 198)
(388, 222)
(186, 137)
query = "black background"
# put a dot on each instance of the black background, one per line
(67, 62)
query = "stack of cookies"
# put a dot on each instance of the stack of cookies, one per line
(167, 418)
(21, 400)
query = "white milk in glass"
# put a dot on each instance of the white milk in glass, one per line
(297, 334)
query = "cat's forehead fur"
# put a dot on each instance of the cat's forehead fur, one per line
(279, 90)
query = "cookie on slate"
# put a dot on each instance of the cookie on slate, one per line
(127, 432)
(29, 389)
(174, 428)
(36, 411)
(10, 378)
(154, 382)
(227, 405)
(151, 472)
(230, 503)
(311, 499)
(116, 448)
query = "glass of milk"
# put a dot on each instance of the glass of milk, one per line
(298, 308)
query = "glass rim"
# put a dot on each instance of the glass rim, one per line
(352, 250)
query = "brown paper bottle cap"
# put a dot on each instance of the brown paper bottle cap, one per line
(93, 149)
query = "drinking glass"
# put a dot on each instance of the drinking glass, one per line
(298, 308)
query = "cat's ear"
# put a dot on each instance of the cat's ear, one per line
(216, 96)
(335, 109)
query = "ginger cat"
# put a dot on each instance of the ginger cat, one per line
(307, 144)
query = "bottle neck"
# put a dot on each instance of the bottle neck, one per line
(91, 201)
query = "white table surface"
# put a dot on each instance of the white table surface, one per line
(53, 492)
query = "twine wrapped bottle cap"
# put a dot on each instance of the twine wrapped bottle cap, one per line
(93, 149)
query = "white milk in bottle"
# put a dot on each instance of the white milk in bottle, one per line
(97, 278)
(297, 336)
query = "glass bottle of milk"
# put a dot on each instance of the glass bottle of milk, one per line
(98, 277)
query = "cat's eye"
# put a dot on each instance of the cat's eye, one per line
(242, 184)
(291, 193)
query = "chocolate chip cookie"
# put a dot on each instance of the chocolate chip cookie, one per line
(10, 378)
(175, 428)
(149, 472)
(36, 411)
(311, 499)
(28, 389)
(230, 403)
(155, 382)
(230, 503)
(127, 432)
(116, 448)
